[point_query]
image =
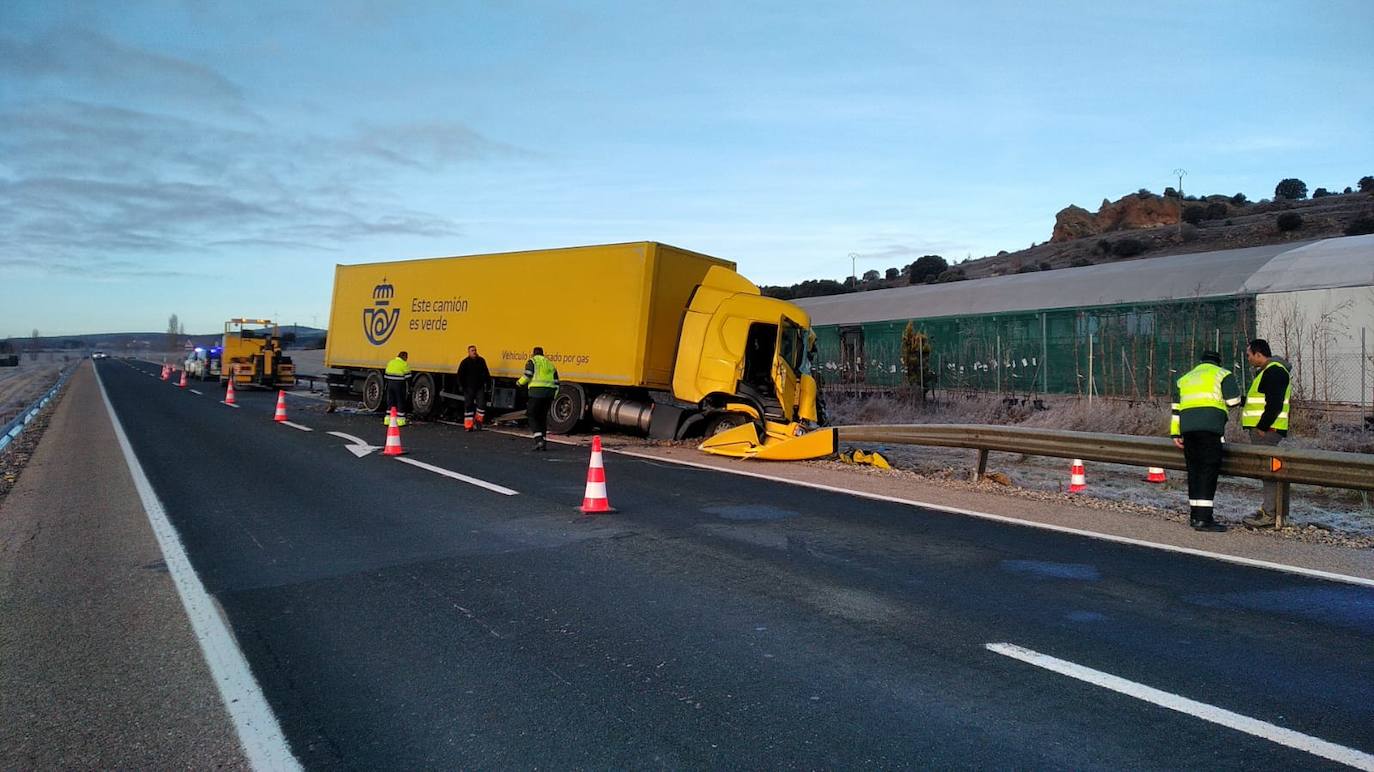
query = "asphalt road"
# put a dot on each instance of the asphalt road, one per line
(395, 617)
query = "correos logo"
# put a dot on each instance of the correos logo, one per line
(379, 319)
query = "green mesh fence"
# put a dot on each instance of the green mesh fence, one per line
(1134, 351)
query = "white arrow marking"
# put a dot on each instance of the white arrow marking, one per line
(358, 447)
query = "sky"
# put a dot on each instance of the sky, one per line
(215, 160)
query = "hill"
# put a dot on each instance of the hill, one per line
(1137, 225)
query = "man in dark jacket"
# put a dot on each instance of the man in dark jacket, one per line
(473, 377)
(1265, 416)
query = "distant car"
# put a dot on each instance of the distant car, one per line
(99, 355)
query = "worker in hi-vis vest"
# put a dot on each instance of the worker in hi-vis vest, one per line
(395, 378)
(1202, 397)
(542, 378)
(1265, 417)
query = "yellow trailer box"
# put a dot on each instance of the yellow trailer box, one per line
(633, 329)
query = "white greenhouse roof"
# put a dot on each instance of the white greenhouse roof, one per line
(1338, 262)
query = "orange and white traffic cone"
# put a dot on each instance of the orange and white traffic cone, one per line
(1078, 480)
(182, 385)
(229, 394)
(393, 436)
(594, 501)
(1155, 475)
(166, 372)
(280, 416)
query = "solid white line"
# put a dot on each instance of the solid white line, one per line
(259, 733)
(1226, 718)
(1252, 562)
(226, 404)
(193, 391)
(296, 426)
(456, 476)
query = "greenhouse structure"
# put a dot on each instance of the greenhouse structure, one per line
(1124, 329)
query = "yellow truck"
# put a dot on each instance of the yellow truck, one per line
(251, 353)
(645, 336)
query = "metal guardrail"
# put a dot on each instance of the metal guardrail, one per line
(1286, 466)
(14, 428)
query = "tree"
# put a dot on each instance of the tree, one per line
(1347, 190)
(1367, 184)
(1291, 188)
(33, 344)
(1170, 193)
(1216, 210)
(917, 362)
(1289, 221)
(926, 268)
(892, 273)
(1320, 193)
(870, 277)
(1239, 199)
(172, 324)
(1194, 214)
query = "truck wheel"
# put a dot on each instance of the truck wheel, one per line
(569, 405)
(372, 391)
(423, 396)
(724, 422)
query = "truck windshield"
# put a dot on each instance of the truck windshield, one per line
(792, 344)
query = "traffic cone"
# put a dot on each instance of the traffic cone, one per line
(183, 380)
(1077, 479)
(1155, 475)
(393, 436)
(280, 417)
(229, 395)
(166, 372)
(594, 501)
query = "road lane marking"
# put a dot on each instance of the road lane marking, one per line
(296, 426)
(259, 733)
(1237, 559)
(456, 476)
(1226, 718)
(193, 391)
(358, 447)
(226, 404)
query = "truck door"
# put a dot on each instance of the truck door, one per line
(787, 365)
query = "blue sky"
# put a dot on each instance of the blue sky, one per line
(218, 159)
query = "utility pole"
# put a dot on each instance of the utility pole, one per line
(1181, 173)
(854, 269)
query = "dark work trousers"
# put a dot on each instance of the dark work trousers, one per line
(474, 407)
(1270, 501)
(538, 412)
(395, 395)
(1202, 452)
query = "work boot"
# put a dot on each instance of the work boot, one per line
(540, 445)
(1210, 526)
(1260, 519)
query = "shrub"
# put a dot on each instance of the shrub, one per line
(1361, 227)
(892, 273)
(1289, 221)
(1028, 268)
(953, 274)
(1104, 246)
(926, 268)
(1046, 266)
(1239, 199)
(1128, 247)
(1291, 188)
(1367, 184)
(1347, 190)
(1144, 193)
(1188, 233)
(1320, 193)
(1216, 210)
(1170, 193)
(1080, 262)
(1230, 222)
(1193, 214)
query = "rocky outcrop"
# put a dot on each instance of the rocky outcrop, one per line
(1127, 213)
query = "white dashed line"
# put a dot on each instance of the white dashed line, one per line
(470, 480)
(294, 426)
(1226, 718)
(193, 391)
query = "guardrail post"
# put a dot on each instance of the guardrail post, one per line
(1280, 504)
(982, 466)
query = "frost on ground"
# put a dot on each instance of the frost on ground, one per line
(1318, 514)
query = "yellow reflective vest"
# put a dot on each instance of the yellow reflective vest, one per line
(397, 369)
(1203, 395)
(539, 373)
(1255, 401)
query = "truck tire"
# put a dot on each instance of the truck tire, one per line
(568, 408)
(724, 422)
(373, 391)
(424, 397)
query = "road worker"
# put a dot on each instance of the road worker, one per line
(396, 377)
(542, 378)
(1202, 397)
(1265, 417)
(473, 377)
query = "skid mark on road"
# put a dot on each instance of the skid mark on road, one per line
(1252, 726)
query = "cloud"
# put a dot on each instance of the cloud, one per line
(83, 56)
(430, 144)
